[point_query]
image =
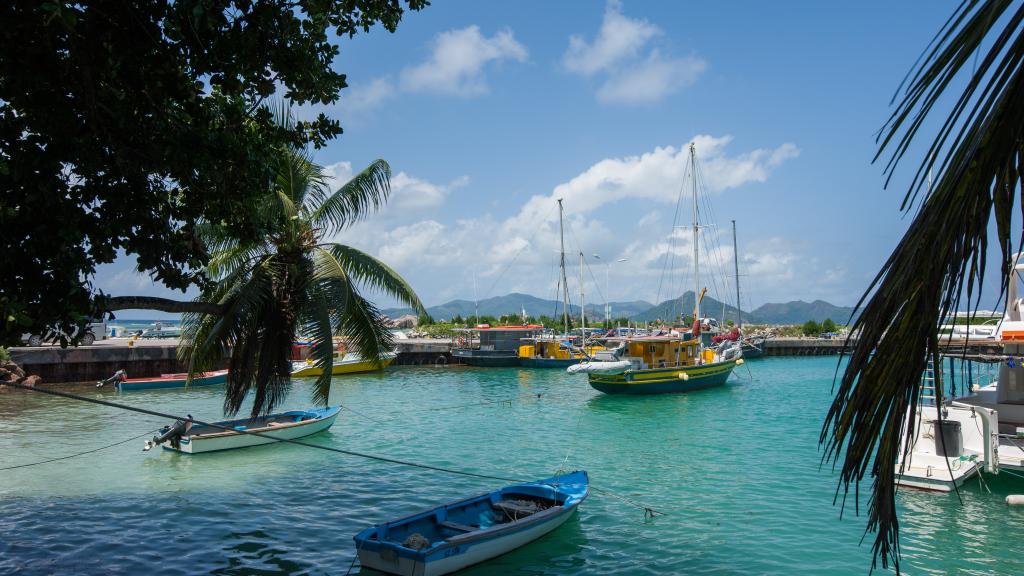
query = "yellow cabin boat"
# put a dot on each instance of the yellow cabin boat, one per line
(553, 352)
(344, 363)
(660, 364)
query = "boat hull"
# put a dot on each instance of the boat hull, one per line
(233, 440)
(550, 362)
(664, 380)
(347, 367)
(487, 359)
(173, 381)
(377, 551)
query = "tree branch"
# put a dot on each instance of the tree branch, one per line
(112, 303)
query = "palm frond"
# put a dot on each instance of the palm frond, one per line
(371, 272)
(352, 315)
(316, 324)
(942, 257)
(365, 192)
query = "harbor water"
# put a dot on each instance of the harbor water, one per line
(736, 472)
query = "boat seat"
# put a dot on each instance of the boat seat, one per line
(457, 526)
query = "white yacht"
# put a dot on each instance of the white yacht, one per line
(980, 432)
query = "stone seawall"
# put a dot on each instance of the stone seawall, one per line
(803, 347)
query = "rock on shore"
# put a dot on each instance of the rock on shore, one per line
(11, 372)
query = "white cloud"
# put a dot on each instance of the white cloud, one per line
(456, 64)
(651, 80)
(519, 252)
(407, 192)
(365, 97)
(630, 77)
(620, 38)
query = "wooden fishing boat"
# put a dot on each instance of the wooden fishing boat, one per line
(167, 380)
(344, 363)
(556, 352)
(675, 362)
(491, 346)
(183, 437)
(664, 364)
(456, 535)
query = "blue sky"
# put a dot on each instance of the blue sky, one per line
(489, 111)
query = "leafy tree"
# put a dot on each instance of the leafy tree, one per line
(457, 320)
(291, 279)
(976, 156)
(123, 124)
(811, 328)
(828, 325)
(424, 319)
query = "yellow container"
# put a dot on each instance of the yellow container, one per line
(526, 351)
(709, 356)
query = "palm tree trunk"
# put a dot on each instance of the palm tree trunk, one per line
(112, 303)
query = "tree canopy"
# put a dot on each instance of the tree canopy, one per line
(122, 125)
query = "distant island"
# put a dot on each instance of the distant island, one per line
(794, 312)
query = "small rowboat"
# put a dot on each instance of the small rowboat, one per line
(172, 381)
(183, 437)
(454, 536)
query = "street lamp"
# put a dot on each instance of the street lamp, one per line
(607, 298)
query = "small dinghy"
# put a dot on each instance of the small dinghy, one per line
(454, 536)
(184, 437)
(600, 367)
(121, 381)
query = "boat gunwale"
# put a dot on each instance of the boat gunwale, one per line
(328, 412)
(568, 506)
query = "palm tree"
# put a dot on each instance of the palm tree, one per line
(978, 156)
(291, 282)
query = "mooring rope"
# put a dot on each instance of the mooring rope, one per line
(146, 433)
(648, 511)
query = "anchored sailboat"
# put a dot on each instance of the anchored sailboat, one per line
(677, 362)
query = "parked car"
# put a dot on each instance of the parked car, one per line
(95, 330)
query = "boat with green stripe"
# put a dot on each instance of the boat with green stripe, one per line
(666, 364)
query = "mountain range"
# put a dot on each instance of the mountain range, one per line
(794, 312)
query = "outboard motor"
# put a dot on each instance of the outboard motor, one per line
(119, 376)
(170, 433)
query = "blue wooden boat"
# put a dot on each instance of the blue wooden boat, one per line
(460, 534)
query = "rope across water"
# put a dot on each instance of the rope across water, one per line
(648, 511)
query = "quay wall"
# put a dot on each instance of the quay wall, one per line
(91, 363)
(803, 346)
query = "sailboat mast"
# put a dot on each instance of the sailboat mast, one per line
(736, 264)
(696, 240)
(583, 315)
(565, 284)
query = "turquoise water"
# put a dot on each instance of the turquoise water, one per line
(734, 469)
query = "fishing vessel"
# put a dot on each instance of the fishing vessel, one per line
(125, 384)
(343, 363)
(675, 362)
(453, 536)
(565, 349)
(186, 438)
(556, 351)
(491, 346)
(752, 345)
(981, 431)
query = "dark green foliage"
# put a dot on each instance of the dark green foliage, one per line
(828, 325)
(288, 281)
(122, 124)
(811, 328)
(978, 159)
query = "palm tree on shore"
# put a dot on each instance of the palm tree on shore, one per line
(977, 155)
(293, 282)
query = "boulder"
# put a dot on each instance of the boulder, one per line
(10, 377)
(31, 381)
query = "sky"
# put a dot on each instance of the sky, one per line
(488, 112)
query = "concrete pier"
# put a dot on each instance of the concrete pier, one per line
(155, 357)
